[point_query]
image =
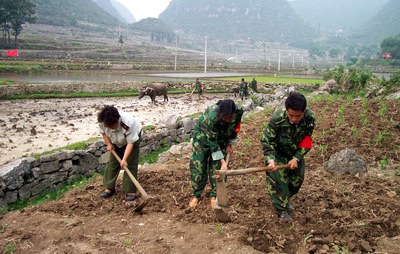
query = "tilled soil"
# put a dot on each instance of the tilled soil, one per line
(334, 213)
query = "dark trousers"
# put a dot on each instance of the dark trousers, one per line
(113, 168)
(284, 183)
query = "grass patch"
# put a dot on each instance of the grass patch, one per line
(20, 68)
(5, 82)
(267, 79)
(148, 128)
(82, 145)
(153, 156)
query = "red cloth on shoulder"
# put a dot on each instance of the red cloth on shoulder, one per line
(237, 128)
(306, 142)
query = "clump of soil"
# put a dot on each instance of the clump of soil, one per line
(333, 213)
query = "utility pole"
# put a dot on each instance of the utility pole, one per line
(279, 60)
(176, 50)
(293, 62)
(205, 54)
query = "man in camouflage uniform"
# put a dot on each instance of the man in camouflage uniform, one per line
(286, 139)
(253, 85)
(199, 88)
(244, 89)
(213, 137)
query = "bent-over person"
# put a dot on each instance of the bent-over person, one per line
(122, 133)
(285, 140)
(213, 137)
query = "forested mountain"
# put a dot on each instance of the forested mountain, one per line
(73, 13)
(385, 24)
(155, 28)
(262, 20)
(116, 10)
(125, 12)
(336, 15)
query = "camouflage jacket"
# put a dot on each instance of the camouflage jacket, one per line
(214, 134)
(282, 138)
(244, 86)
(198, 85)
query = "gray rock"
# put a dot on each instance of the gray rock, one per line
(346, 161)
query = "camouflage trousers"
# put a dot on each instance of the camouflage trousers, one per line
(202, 168)
(113, 168)
(284, 183)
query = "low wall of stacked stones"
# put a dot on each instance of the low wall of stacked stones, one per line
(28, 177)
(111, 87)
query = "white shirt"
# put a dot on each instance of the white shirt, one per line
(127, 132)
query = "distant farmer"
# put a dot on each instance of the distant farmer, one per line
(213, 137)
(253, 85)
(121, 133)
(286, 139)
(244, 89)
(199, 88)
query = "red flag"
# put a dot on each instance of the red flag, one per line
(12, 53)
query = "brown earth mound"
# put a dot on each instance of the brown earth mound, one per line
(333, 213)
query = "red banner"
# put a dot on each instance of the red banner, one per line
(12, 53)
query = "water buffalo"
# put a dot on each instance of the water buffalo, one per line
(236, 90)
(153, 90)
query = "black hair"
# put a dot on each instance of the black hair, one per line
(242, 79)
(109, 115)
(226, 108)
(296, 101)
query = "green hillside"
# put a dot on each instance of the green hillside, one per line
(80, 13)
(385, 24)
(264, 20)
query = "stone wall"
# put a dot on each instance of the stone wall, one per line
(110, 87)
(28, 177)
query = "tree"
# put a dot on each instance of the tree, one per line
(334, 53)
(19, 12)
(4, 20)
(316, 51)
(391, 45)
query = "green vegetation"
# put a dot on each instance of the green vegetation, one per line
(86, 15)
(9, 248)
(268, 79)
(5, 82)
(83, 145)
(47, 195)
(383, 164)
(20, 68)
(381, 135)
(14, 14)
(153, 156)
(351, 79)
(392, 45)
(148, 128)
(155, 28)
(393, 83)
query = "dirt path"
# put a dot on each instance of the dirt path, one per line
(35, 126)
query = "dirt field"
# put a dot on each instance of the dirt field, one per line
(333, 213)
(35, 126)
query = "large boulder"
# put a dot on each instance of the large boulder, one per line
(346, 161)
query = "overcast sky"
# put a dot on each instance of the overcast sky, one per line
(142, 9)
